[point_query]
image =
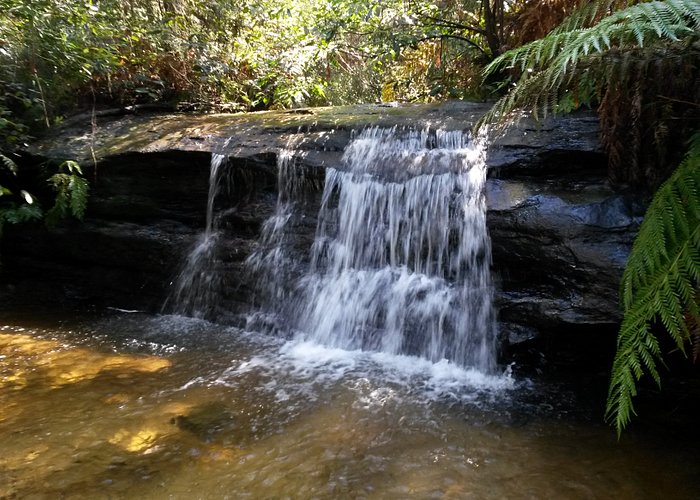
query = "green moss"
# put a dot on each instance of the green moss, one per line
(205, 132)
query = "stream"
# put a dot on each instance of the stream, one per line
(365, 367)
(119, 405)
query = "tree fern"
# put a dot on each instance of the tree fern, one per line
(660, 282)
(588, 13)
(554, 59)
(623, 61)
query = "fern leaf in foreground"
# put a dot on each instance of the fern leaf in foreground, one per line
(71, 193)
(556, 59)
(660, 282)
(9, 164)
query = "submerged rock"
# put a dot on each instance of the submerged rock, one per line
(206, 421)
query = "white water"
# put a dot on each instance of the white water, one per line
(401, 257)
(271, 260)
(197, 288)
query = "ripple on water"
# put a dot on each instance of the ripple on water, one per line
(152, 407)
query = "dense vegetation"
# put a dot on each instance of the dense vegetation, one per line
(59, 57)
(62, 57)
(620, 60)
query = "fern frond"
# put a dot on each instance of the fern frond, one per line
(16, 214)
(662, 234)
(72, 166)
(78, 188)
(658, 19)
(71, 194)
(505, 108)
(687, 9)
(59, 210)
(559, 53)
(695, 335)
(660, 281)
(585, 15)
(9, 164)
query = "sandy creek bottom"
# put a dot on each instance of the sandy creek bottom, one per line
(136, 406)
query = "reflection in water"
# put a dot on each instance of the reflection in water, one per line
(143, 407)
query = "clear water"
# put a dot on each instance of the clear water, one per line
(197, 288)
(135, 406)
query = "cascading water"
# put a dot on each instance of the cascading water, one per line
(401, 257)
(271, 260)
(196, 290)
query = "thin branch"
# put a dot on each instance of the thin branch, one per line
(444, 23)
(447, 23)
(43, 99)
(455, 37)
(679, 101)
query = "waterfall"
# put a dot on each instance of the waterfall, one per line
(400, 261)
(196, 289)
(400, 258)
(271, 261)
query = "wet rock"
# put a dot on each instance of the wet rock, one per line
(206, 421)
(559, 250)
(320, 136)
(560, 234)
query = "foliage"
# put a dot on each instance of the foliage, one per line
(15, 207)
(620, 63)
(60, 54)
(71, 191)
(18, 205)
(57, 56)
(535, 22)
(646, 116)
(660, 282)
(561, 61)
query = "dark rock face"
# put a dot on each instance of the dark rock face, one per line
(560, 235)
(559, 253)
(145, 214)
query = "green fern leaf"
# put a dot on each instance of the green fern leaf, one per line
(9, 164)
(689, 9)
(560, 53)
(78, 188)
(17, 214)
(584, 15)
(59, 210)
(661, 281)
(71, 193)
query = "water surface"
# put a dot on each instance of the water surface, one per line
(137, 406)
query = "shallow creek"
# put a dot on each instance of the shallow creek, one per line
(137, 406)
